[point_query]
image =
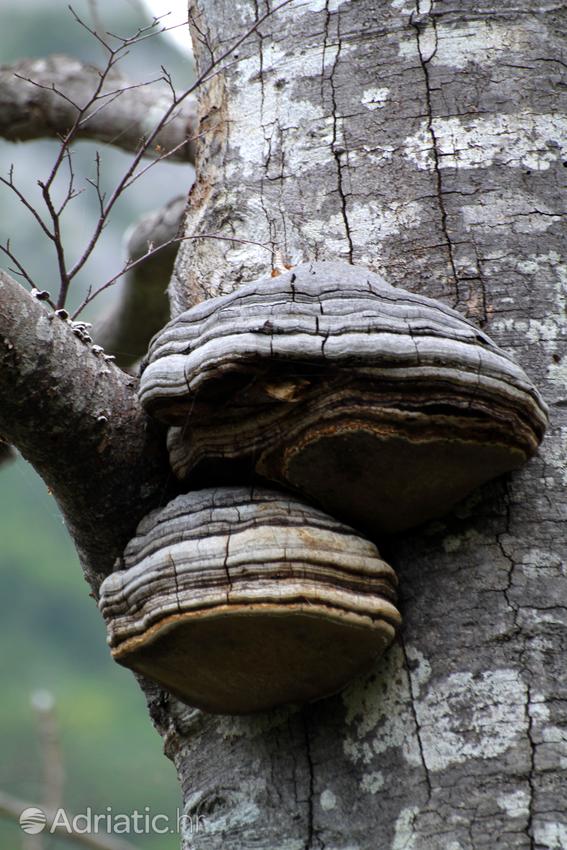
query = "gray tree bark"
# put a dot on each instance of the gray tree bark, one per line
(424, 140)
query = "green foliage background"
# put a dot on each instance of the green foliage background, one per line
(51, 634)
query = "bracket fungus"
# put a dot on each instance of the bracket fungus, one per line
(383, 406)
(238, 599)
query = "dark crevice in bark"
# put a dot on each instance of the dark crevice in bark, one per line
(515, 608)
(532, 771)
(267, 134)
(311, 833)
(339, 150)
(420, 22)
(416, 719)
(510, 561)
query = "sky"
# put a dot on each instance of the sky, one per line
(176, 12)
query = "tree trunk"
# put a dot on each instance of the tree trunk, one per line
(424, 141)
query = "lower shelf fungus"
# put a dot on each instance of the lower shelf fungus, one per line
(383, 406)
(238, 600)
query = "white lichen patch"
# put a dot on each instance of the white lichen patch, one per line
(317, 5)
(512, 210)
(546, 332)
(404, 7)
(520, 140)
(266, 96)
(516, 804)
(462, 717)
(536, 562)
(375, 98)
(379, 154)
(556, 739)
(481, 42)
(420, 670)
(539, 709)
(329, 231)
(372, 782)
(467, 716)
(370, 223)
(550, 834)
(379, 716)
(44, 329)
(557, 374)
(328, 800)
(405, 836)
(556, 451)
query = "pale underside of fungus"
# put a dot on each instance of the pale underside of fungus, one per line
(239, 599)
(384, 406)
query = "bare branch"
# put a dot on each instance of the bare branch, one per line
(143, 307)
(210, 71)
(9, 182)
(76, 418)
(152, 250)
(42, 97)
(19, 270)
(147, 142)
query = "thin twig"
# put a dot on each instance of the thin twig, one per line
(19, 270)
(28, 205)
(100, 98)
(131, 264)
(126, 177)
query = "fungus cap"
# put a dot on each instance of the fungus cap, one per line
(238, 600)
(384, 406)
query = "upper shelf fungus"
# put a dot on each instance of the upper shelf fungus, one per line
(384, 406)
(238, 600)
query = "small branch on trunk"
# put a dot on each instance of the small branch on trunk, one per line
(75, 416)
(42, 98)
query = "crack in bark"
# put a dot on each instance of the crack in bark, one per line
(514, 607)
(338, 151)
(508, 558)
(311, 832)
(531, 773)
(416, 721)
(419, 22)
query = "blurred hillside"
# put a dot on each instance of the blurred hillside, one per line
(50, 630)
